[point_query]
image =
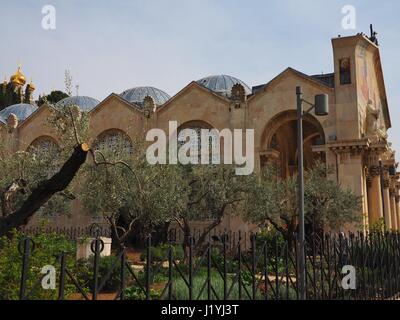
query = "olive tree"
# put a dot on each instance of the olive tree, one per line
(215, 191)
(127, 191)
(31, 182)
(327, 203)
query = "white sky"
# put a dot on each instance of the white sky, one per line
(110, 46)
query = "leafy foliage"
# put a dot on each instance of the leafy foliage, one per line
(47, 248)
(160, 253)
(131, 191)
(22, 172)
(84, 272)
(54, 97)
(327, 203)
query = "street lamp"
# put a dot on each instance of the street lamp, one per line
(321, 108)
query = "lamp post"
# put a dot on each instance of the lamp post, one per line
(321, 106)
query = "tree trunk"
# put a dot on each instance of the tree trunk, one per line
(205, 233)
(186, 235)
(45, 190)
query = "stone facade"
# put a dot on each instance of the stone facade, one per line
(352, 139)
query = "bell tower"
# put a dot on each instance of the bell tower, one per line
(362, 110)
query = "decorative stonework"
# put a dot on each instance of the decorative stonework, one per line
(374, 171)
(374, 122)
(12, 121)
(149, 106)
(386, 183)
(238, 93)
(397, 198)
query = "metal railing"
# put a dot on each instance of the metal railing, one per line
(267, 270)
(72, 233)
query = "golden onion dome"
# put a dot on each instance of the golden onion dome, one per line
(31, 86)
(18, 78)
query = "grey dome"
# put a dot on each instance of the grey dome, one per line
(83, 102)
(136, 95)
(222, 84)
(21, 110)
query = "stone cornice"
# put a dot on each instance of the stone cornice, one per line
(358, 146)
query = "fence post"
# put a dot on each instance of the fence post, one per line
(265, 255)
(122, 273)
(148, 267)
(240, 266)
(25, 251)
(225, 266)
(97, 247)
(170, 273)
(276, 267)
(209, 271)
(253, 265)
(190, 268)
(62, 276)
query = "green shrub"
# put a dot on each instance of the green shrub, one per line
(272, 238)
(136, 293)
(181, 291)
(85, 273)
(47, 247)
(160, 253)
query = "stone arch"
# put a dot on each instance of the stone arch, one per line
(196, 125)
(109, 139)
(279, 141)
(43, 144)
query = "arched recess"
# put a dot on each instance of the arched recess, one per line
(195, 139)
(279, 142)
(44, 145)
(47, 151)
(113, 140)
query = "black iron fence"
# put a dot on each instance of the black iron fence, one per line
(359, 267)
(72, 233)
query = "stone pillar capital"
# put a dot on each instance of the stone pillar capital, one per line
(374, 170)
(386, 183)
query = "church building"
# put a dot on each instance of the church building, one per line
(352, 139)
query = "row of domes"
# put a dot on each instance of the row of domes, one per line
(220, 84)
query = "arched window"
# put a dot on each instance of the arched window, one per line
(44, 145)
(46, 151)
(195, 140)
(114, 140)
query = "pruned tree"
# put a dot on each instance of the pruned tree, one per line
(31, 182)
(127, 191)
(215, 191)
(132, 192)
(327, 203)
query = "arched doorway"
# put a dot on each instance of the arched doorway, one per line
(279, 142)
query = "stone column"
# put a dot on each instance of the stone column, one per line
(375, 207)
(393, 210)
(386, 200)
